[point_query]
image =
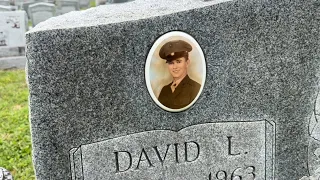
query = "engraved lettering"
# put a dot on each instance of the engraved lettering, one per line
(238, 173)
(229, 147)
(176, 150)
(158, 153)
(214, 151)
(118, 164)
(143, 152)
(221, 175)
(251, 171)
(186, 151)
(235, 174)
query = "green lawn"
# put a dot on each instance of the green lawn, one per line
(93, 3)
(15, 141)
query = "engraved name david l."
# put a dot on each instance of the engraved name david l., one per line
(206, 151)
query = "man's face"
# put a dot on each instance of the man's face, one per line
(178, 67)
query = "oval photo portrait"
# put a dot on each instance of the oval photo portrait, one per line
(175, 71)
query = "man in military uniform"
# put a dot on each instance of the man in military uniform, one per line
(182, 90)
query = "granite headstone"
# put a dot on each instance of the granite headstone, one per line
(26, 4)
(65, 6)
(84, 4)
(40, 12)
(100, 2)
(92, 116)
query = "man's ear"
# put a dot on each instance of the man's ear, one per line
(188, 62)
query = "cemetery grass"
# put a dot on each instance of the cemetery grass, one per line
(93, 3)
(15, 141)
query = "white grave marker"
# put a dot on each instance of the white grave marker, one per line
(12, 28)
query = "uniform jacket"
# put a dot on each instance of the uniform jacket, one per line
(183, 95)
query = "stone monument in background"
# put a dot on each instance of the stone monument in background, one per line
(251, 82)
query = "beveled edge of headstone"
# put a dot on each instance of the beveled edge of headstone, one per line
(121, 12)
(269, 124)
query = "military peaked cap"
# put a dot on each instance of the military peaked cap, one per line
(174, 49)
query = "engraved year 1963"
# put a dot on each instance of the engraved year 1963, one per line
(246, 173)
